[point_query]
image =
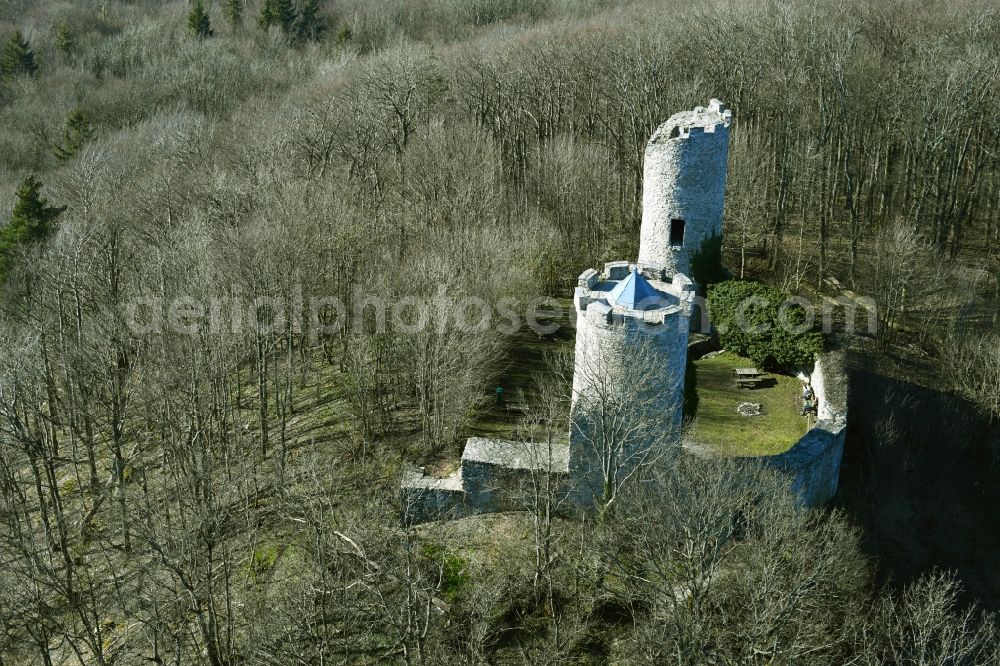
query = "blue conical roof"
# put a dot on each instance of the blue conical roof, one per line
(634, 293)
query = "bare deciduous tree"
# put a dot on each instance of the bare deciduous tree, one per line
(624, 415)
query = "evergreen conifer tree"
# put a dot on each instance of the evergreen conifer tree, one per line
(234, 12)
(76, 132)
(18, 58)
(199, 24)
(65, 39)
(277, 12)
(32, 221)
(310, 24)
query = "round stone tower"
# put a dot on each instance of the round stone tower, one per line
(631, 353)
(683, 186)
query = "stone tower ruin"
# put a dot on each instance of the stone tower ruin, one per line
(633, 321)
(683, 186)
(632, 324)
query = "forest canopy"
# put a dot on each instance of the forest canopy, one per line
(187, 475)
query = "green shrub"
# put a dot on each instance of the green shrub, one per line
(763, 324)
(454, 570)
(264, 559)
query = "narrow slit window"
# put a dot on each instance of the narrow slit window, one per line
(676, 233)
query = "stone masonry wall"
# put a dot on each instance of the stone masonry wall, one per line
(495, 475)
(814, 461)
(425, 498)
(684, 178)
(499, 475)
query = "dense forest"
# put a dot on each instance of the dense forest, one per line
(224, 490)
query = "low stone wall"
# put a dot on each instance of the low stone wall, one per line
(495, 475)
(700, 344)
(426, 498)
(814, 461)
(498, 475)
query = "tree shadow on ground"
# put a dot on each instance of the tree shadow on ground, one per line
(920, 480)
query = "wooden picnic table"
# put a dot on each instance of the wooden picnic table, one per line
(747, 377)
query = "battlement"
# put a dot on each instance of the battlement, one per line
(693, 124)
(656, 300)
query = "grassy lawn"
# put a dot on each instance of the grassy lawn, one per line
(718, 426)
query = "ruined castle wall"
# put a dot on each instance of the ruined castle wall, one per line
(814, 461)
(500, 475)
(495, 475)
(829, 384)
(684, 178)
(425, 498)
